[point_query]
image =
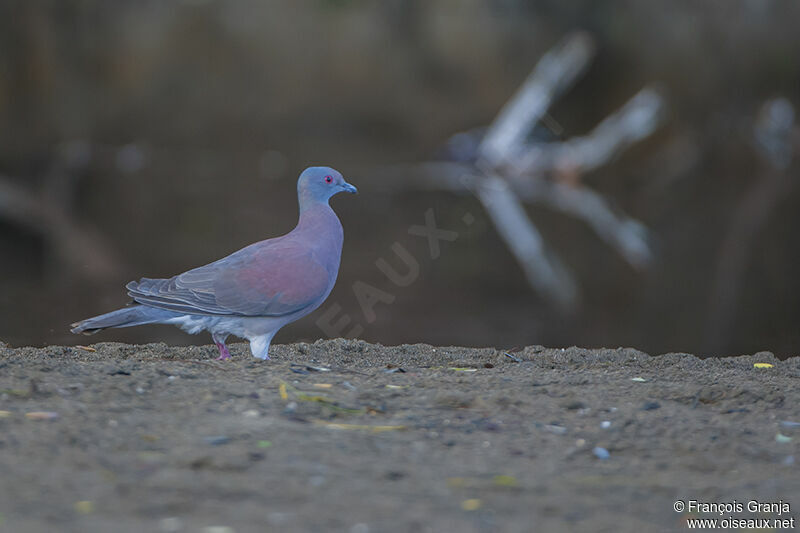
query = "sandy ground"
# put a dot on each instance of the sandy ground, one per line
(349, 436)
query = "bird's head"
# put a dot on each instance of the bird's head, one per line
(318, 184)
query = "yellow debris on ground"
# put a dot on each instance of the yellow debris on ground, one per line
(84, 507)
(41, 415)
(505, 481)
(361, 427)
(473, 504)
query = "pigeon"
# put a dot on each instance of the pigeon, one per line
(255, 291)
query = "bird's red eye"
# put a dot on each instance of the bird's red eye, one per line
(328, 179)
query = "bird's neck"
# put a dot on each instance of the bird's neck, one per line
(307, 200)
(320, 228)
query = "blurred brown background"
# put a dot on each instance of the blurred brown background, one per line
(146, 138)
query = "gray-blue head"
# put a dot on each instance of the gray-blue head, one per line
(318, 184)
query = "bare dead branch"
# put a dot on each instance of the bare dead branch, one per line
(628, 236)
(773, 132)
(544, 271)
(634, 121)
(556, 71)
(502, 169)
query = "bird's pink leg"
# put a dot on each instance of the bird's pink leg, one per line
(219, 340)
(223, 352)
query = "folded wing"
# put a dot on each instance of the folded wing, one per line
(271, 278)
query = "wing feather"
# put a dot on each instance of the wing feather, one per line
(270, 278)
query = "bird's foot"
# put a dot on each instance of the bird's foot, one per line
(223, 351)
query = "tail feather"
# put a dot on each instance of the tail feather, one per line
(122, 318)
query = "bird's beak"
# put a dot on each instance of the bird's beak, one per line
(346, 187)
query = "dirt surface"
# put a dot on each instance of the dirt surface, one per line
(348, 436)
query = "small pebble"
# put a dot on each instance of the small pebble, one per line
(5, 414)
(790, 424)
(601, 453)
(605, 424)
(251, 413)
(171, 524)
(217, 440)
(574, 404)
(780, 437)
(650, 406)
(639, 380)
(277, 518)
(558, 430)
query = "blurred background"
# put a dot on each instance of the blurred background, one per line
(146, 138)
